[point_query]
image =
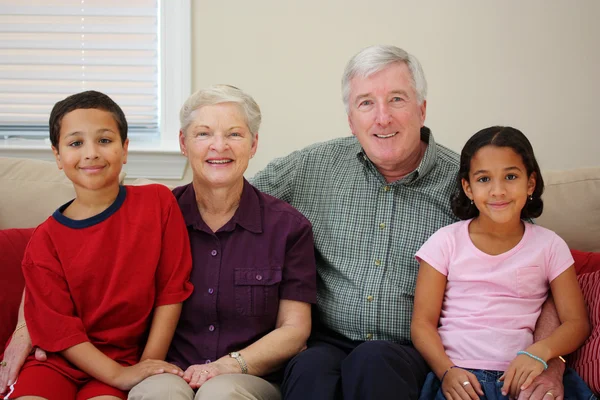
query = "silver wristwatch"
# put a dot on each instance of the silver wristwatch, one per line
(238, 357)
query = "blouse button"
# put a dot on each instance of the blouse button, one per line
(211, 328)
(259, 277)
(213, 253)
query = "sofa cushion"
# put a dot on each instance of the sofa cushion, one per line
(572, 208)
(586, 360)
(31, 191)
(12, 248)
(586, 261)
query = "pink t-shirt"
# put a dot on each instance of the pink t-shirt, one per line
(492, 303)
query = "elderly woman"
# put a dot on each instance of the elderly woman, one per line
(254, 271)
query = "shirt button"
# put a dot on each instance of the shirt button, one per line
(369, 336)
(370, 298)
(378, 262)
(211, 328)
(211, 290)
(213, 253)
(382, 225)
(259, 277)
(386, 188)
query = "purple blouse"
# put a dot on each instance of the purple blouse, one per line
(264, 254)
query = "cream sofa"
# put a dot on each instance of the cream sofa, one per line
(31, 190)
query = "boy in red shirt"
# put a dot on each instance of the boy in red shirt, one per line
(106, 274)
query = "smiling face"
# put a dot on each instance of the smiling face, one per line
(90, 150)
(498, 184)
(218, 145)
(386, 117)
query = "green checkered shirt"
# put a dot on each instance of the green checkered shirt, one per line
(366, 231)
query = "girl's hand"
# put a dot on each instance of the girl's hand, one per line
(461, 384)
(520, 374)
(197, 375)
(128, 377)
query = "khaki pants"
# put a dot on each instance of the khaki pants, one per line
(222, 387)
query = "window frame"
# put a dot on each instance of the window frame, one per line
(153, 159)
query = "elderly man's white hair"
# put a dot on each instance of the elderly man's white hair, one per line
(375, 58)
(218, 94)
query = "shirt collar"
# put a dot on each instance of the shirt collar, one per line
(429, 158)
(427, 162)
(248, 215)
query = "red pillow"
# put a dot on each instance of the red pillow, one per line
(586, 261)
(586, 360)
(12, 248)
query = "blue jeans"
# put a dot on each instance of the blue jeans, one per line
(488, 380)
(575, 387)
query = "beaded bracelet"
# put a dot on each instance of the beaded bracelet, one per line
(528, 354)
(443, 376)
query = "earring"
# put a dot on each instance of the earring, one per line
(530, 197)
(471, 202)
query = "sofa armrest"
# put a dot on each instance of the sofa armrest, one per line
(13, 243)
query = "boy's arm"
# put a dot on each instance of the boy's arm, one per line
(162, 330)
(171, 279)
(95, 363)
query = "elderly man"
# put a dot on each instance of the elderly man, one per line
(373, 200)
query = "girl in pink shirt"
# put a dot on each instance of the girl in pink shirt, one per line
(482, 281)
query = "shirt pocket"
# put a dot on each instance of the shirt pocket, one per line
(402, 280)
(257, 291)
(531, 282)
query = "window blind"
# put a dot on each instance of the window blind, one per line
(50, 49)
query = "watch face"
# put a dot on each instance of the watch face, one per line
(234, 354)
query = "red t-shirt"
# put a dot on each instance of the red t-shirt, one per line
(99, 279)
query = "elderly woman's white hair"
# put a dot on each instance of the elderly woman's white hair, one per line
(218, 94)
(375, 58)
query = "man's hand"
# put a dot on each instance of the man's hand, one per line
(548, 385)
(14, 357)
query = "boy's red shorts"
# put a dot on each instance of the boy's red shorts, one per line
(39, 380)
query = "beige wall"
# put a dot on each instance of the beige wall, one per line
(530, 64)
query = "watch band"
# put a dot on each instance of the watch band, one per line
(238, 357)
